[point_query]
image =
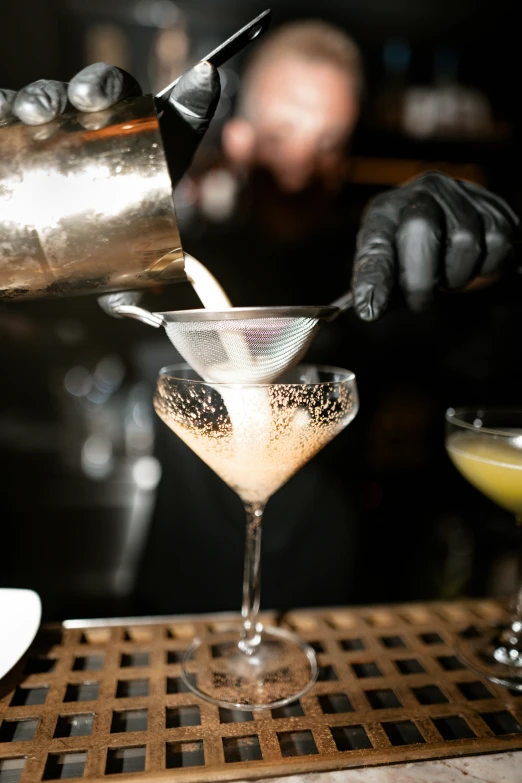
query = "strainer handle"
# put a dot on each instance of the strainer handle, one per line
(140, 314)
(343, 303)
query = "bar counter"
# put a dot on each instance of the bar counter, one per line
(104, 700)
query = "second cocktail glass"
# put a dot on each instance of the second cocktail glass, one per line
(486, 447)
(255, 437)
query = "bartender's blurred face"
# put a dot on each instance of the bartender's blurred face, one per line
(299, 118)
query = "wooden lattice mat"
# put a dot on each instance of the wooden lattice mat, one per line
(105, 701)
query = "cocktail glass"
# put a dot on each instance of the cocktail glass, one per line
(255, 437)
(486, 447)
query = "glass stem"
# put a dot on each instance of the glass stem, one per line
(250, 636)
(510, 639)
(516, 606)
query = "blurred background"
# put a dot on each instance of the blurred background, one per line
(103, 511)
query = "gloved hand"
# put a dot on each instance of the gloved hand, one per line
(434, 232)
(183, 121)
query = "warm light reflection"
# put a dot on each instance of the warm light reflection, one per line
(52, 196)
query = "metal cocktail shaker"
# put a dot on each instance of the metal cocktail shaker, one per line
(86, 201)
(86, 204)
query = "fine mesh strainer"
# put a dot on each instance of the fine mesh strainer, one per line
(240, 344)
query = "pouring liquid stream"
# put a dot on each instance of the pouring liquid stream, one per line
(248, 407)
(208, 290)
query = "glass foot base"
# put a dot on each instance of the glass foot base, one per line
(487, 654)
(280, 669)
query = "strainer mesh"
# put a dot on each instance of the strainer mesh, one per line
(253, 350)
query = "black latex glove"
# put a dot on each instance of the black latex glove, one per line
(434, 232)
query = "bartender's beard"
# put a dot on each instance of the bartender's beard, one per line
(291, 216)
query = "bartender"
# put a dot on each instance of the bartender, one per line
(433, 232)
